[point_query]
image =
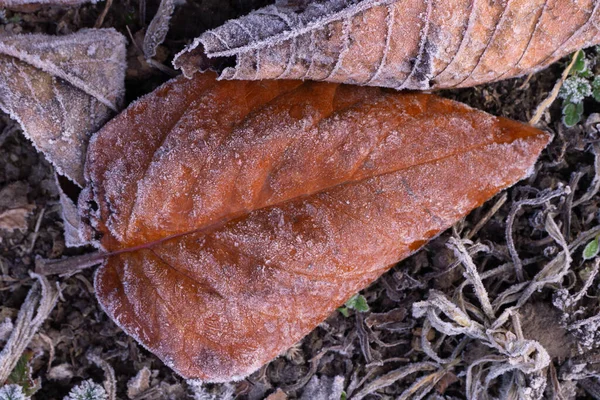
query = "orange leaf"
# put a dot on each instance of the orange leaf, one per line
(402, 44)
(241, 214)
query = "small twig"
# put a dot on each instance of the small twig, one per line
(162, 68)
(499, 203)
(556, 391)
(101, 17)
(314, 363)
(363, 338)
(595, 185)
(588, 282)
(568, 208)
(525, 82)
(38, 223)
(153, 63)
(68, 265)
(46, 339)
(510, 243)
(471, 273)
(547, 102)
(40, 301)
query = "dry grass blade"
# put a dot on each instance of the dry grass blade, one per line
(68, 265)
(554, 271)
(394, 376)
(38, 304)
(110, 382)
(429, 350)
(595, 185)
(492, 211)
(544, 105)
(472, 275)
(586, 286)
(543, 197)
(422, 386)
(460, 323)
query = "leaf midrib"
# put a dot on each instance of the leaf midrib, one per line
(226, 219)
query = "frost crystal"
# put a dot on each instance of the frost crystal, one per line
(200, 392)
(575, 89)
(387, 43)
(12, 392)
(87, 390)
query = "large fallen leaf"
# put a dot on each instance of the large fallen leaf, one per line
(402, 44)
(241, 214)
(61, 89)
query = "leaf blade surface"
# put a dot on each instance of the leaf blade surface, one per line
(402, 44)
(289, 207)
(61, 89)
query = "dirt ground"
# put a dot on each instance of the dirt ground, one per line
(362, 347)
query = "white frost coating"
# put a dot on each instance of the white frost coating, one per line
(70, 217)
(421, 54)
(62, 89)
(165, 359)
(12, 392)
(283, 36)
(158, 28)
(214, 301)
(575, 89)
(459, 43)
(47, 53)
(87, 390)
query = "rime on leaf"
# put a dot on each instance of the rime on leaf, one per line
(61, 89)
(402, 44)
(158, 28)
(241, 214)
(69, 213)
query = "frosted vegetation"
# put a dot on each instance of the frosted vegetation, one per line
(493, 322)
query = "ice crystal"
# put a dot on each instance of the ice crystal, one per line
(87, 390)
(575, 89)
(12, 392)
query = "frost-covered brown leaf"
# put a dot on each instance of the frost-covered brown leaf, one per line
(241, 214)
(61, 89)
(402, 44)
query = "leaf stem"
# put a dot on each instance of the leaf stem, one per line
(68, 265)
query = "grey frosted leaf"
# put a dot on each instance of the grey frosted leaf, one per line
(158, 28)
(61, 89)
(402, 44)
